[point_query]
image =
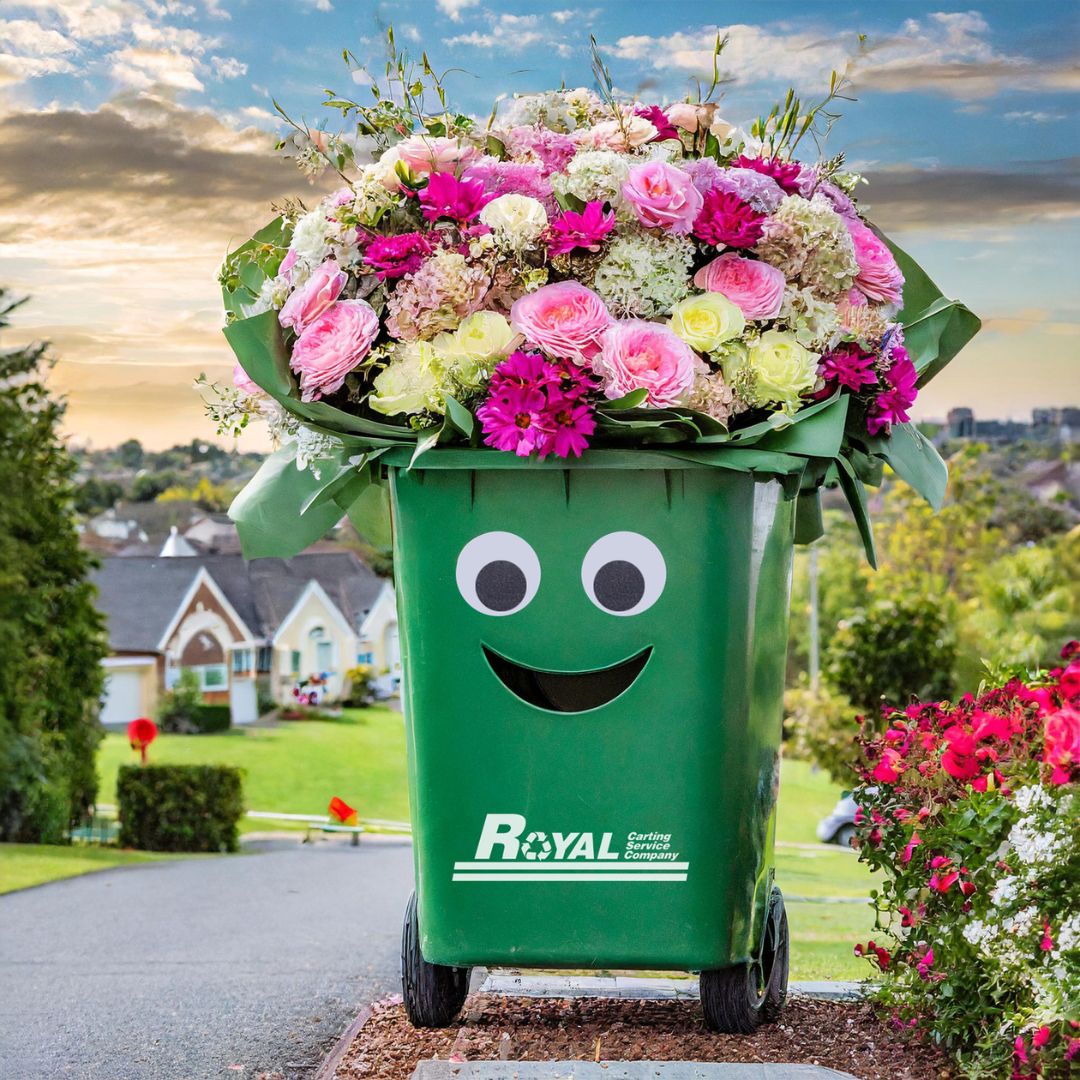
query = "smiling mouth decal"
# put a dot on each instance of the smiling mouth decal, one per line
(567, 691)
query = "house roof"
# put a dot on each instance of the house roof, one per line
(139, 595)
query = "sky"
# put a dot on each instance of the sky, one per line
(137, 145)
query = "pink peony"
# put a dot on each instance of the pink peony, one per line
(332, 345)
(564, 319)
(309, 301)
(396, 256)
(662, 196)
(755, 287)
(243, 382)
(644, 355)
(879, 277)
(424, 154)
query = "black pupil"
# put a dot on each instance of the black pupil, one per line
(501, 585)
(619, 585)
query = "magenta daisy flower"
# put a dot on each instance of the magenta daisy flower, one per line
(516, 419)
(785, 173)
(572, 421)
(849, 366)
(891, 406)
(448, 197)
(585, 230)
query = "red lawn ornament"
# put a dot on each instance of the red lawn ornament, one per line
(141, 733)
(343, 812)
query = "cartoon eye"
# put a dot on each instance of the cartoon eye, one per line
(498, 573)
(623, 573)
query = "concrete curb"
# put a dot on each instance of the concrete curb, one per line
(328, 1069)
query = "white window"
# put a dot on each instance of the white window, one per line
(324, 650)
(241, 661)
(212, 676)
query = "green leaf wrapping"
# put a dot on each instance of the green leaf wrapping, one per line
(284, 509)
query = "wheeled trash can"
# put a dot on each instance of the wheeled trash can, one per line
(593, 666)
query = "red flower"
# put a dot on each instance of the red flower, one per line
(726, 221)
(874, 952)
(1061, 733)
(958, 760)
(889, 768)
(909, 850)
(1047, 942)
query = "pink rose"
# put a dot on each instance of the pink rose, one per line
(879, 277)
(684, 115)
(426, 155)
(662, 196)
(332, 345)
(312, 298)
(243, 382)
(754, 286)
(645, 355)
(564, 319)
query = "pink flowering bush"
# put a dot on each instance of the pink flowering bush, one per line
(970, 815)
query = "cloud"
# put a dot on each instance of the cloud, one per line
(903, 197)
(454, 8)
(142, 68)
(948, 52)
(1033, 116)
(513, 34)
(228, 67)
(87, 20)
(319, 5)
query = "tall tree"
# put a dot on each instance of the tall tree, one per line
(51, 636)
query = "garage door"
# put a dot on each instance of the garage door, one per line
(122, 702)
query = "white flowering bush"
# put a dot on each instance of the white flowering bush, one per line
(971, 815)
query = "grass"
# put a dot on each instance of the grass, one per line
(23, 865)
(297, 766)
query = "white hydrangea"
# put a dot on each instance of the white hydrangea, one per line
(553, 109)
(309, 237)
(1004, 892)
(1068, 935)
(978, 933)
(643, 276)
(594, 175)
(1033, 846)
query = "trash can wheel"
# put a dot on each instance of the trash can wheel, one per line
(737, 999)
(433, 993)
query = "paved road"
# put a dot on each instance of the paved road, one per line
(180, 970)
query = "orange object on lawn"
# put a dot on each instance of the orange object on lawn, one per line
(343, 812)
(141, 733)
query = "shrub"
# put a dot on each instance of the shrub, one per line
(178, 708)
(179, 807)
(210, 718)
(823, 729)
(970, 813)
(360, 693)
(891, 650)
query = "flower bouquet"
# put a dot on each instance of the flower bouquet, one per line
(579, 273)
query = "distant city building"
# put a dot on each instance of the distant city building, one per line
(961, 423)
(1055, 425)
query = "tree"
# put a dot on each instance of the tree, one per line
(148, 486)
(51, 636)
(131, 454)
(94, 495)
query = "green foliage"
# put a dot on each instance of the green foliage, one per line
(181, 710)
(148, 486)
(213, 718)
(890, 650)
(93, 495)
(178, 708)
(823, 729)
(180, 807)
(204, 493)
(131, 454)
(51, 636)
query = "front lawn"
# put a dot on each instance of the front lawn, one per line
(23, 865)
(296, 767)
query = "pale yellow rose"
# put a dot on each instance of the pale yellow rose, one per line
(409, 383)
(781, 371)
(707, 320)
(484, 336)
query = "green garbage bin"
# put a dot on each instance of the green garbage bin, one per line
(593, 672)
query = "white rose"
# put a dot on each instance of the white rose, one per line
(517, 221)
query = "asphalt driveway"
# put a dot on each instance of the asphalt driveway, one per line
(224, 967)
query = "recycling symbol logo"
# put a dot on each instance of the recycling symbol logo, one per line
(536, 846)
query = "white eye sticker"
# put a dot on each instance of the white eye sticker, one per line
(498, 573)
(623, 573)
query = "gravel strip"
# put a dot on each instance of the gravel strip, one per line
(842, 1036)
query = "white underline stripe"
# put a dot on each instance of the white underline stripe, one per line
(569, 877)
(622, 864)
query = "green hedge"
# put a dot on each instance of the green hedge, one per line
(180, 807)
(213, 718)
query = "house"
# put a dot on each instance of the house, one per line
(250, 630)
